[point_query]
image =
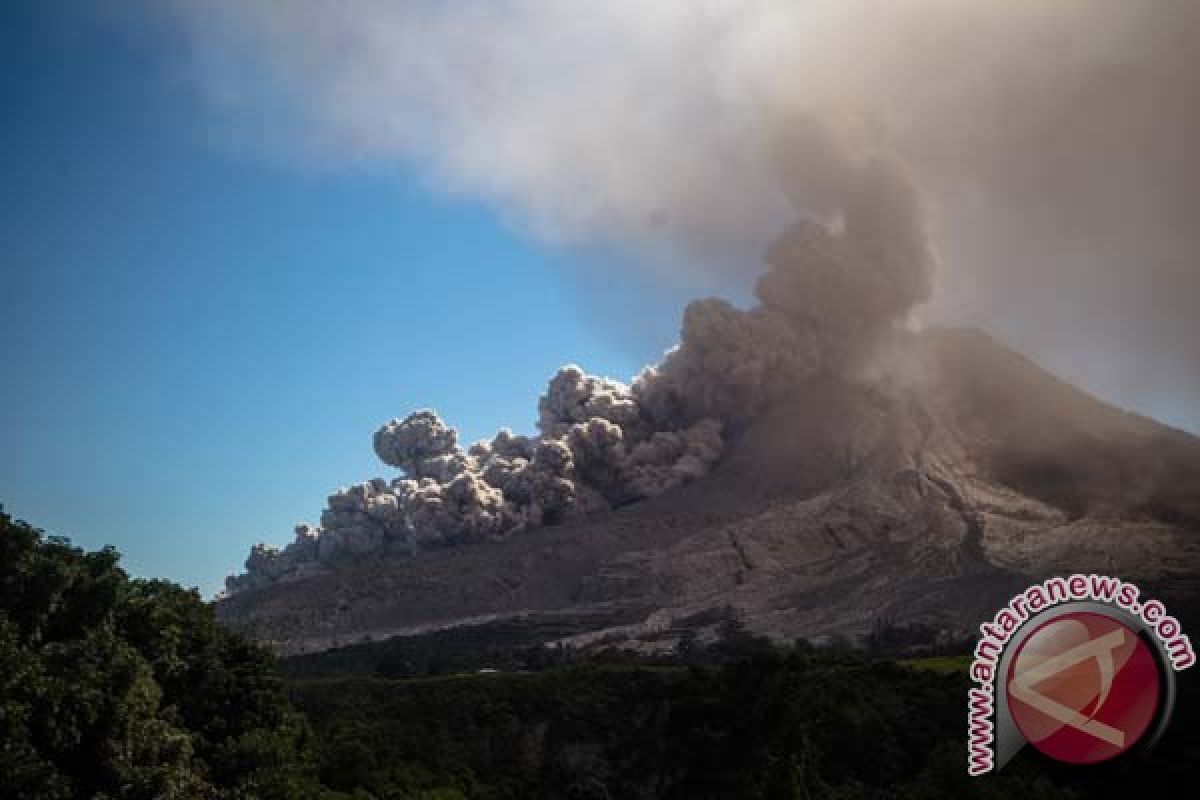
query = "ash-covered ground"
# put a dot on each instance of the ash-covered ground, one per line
(819, 461)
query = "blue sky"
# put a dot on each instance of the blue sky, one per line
(198, 343)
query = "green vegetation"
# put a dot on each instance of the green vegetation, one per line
(507, 644)
(794, 724)
(944, 664)
(119, 688)
(510, 646)
(801, 725)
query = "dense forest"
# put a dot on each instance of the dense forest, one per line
(112, 687)
(119, 688)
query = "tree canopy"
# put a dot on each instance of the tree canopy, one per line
(112, 687)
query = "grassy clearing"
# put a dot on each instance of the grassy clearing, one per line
(943, 665)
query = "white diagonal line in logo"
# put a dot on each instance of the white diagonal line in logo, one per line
(1100, 649)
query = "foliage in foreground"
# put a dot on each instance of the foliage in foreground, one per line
(119, 688)
(767, 723)
(794, 726)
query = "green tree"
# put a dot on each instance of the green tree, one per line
(119, 688)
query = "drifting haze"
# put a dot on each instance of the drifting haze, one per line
(1053, 142)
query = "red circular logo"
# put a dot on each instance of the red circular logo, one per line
(1083, 688)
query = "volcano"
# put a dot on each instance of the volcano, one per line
(923, 492)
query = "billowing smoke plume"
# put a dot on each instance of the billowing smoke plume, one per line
(831, 292)
(1054, 141)
(596, 450)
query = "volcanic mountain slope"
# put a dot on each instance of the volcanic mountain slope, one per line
(925, 491)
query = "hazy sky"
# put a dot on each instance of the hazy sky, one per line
(235, 237)
(1053, 143)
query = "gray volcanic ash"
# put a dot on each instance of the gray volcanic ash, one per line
(832, 293)
(925, 492)
(808, 464)
(1054, 143)
(811, 462)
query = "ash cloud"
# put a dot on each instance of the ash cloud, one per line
(1053, 142)
(830, 295)
(1025, 166)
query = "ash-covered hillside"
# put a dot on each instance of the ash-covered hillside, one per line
(924, 495)
(810, 462)
(809, 465)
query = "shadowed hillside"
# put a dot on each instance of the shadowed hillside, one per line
(926, 490)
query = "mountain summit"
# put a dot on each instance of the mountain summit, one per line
(948, 473)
